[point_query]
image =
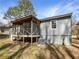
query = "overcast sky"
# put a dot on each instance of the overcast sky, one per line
(45, 8)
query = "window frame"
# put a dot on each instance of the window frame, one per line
(54, 24)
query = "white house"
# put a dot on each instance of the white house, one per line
(57, 29)
(54, 30)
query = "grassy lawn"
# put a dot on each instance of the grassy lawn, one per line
(9, 50)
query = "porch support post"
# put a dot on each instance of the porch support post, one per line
(36, 39)
(15, 30)
(23, 33)
(31, 30)
(23, 40)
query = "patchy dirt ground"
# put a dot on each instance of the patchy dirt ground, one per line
(9, 50)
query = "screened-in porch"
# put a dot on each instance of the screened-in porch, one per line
(26, 28)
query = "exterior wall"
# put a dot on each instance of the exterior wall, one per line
(60, 34)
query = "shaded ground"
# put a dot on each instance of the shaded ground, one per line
(9, 50)
(2, 36)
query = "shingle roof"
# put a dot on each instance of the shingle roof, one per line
(68, 15)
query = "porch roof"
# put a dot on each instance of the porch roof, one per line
(25, 19)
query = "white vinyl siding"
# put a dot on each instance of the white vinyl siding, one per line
(57, 34)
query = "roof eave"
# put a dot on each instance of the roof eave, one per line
(57, 17)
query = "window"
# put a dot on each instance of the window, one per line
(53, 24)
